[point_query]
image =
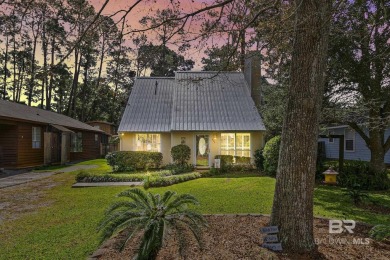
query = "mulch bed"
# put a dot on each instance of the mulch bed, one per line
(239, 237)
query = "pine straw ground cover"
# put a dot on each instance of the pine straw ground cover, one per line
(239, 237)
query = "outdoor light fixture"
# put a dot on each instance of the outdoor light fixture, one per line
(214, 138)
(330, 176)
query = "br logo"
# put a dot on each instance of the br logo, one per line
(337, 226)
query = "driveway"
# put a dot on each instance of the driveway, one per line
(32, 176)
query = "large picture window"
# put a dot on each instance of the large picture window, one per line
(76, 142)
(148, 142)
(36, 137)
(236, 144)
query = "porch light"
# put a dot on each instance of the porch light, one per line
(214, 138)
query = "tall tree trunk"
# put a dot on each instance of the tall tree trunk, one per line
(242, 49)
(5, 68)
(14, 61)
(75, 82)
(50, 88)
(377, 162)
(21, 80)
(96, 91)
(45, 72)
(32, 79)
(293, 201)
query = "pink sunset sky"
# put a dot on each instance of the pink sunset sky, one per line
(148, 7)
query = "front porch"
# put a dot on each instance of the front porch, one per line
(204, 145)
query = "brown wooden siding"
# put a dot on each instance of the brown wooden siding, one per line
(107, 128)
(8, 146)
(28, 156)
(91, 148)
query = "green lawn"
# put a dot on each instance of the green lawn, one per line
(67, 228)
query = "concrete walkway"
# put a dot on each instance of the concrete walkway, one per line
(32, 176)
(106, 184)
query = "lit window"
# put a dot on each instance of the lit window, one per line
(76, 142)
(349, 140)
(36, 137)
(236, 144)
(148, 142)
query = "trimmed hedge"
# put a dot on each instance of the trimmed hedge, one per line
(84, 176)
(225, 159)
(179, 168)
(170, 180)
(133, 160)
(242, 160)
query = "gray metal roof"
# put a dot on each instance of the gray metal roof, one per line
(192, 101)
(12, 110)
(149, 107)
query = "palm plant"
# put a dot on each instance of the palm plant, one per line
(356, 194)
(155, 215)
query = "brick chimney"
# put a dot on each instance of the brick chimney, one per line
(252, 73)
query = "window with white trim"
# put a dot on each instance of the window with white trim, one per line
(349, 136)
(236, 144)
(76, 142)
(330, 139)
(36, 137)
(148, 142)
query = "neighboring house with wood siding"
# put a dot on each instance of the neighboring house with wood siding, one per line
(214, 113)
(32, 137)
(355, 148)
(107, 127)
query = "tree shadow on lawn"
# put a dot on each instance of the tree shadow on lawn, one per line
(245, 174)
(331, 202)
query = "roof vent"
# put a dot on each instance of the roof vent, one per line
(155, 88)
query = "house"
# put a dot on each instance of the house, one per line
(214, 113)
(32, 137)
(108, 128)
(355, 147)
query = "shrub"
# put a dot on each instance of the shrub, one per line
(241, 167)
(242, 160)
(259, 159)
(356, 194)
(179, 168)
(158, 181)
(181, 154)
(360, 173)
(152, 216)
(225, 159)
(380, 232)
(132, 160)
(271, 155)
(84, 176)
